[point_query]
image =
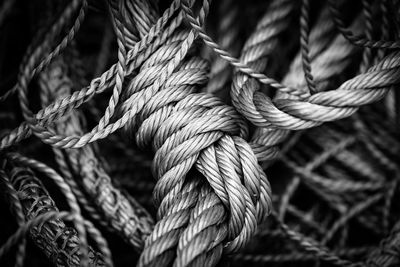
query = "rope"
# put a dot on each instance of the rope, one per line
(304, 43)
(58, 180)
(98, 85)
(328, 62)
(322, 106)
(211, 192)
(127, 217)
(228, 35)
(179, 144)
(58, 242)
(358, 206)
(354, 39)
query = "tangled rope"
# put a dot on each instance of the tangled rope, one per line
(178, 124)
(210, 159)
(125, 215)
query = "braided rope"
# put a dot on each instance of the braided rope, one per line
(286, 113)
(196, 110)
(125, 216)
(58, 242)
(320, 107)
(328, 61)
(182, 112)
(240, 66)
(42, 219)
(62, 84)
(98, 85)
(211, 193)
(65, 189)
(121, 68)
(304, 43)
(24, 229)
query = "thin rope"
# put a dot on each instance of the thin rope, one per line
(211, 192)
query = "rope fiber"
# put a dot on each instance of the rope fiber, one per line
(200, 133)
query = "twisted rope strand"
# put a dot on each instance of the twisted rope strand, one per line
(327, 66)
(121, 68)
(326, 106)
(124, 216)
(98, 85)
(211, 193)
(179, 143)
(354, 39)
(242, 67)
(313, 247)
(304, 43)
(28, 68)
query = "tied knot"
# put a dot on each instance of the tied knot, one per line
(187, 129)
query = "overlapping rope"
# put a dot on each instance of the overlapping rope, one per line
(211, 191)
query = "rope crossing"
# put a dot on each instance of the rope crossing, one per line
(188, 129)
(213, 130)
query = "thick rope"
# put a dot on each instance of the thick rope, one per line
(211, 193)
(58, 242)
(63, 106)
(322, 106)
(180, 143)
(329, 62)
(124, 216)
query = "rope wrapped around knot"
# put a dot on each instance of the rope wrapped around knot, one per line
(275, 116)
(296, 114)
(197, 220)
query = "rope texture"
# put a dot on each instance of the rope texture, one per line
(211, 192)
(59, 242)
(124, 215)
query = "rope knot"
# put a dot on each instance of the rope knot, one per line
(187, 129)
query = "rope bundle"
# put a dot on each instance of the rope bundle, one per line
(300, 66)
(189, 129)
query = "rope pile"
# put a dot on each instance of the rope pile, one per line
(192, 133)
